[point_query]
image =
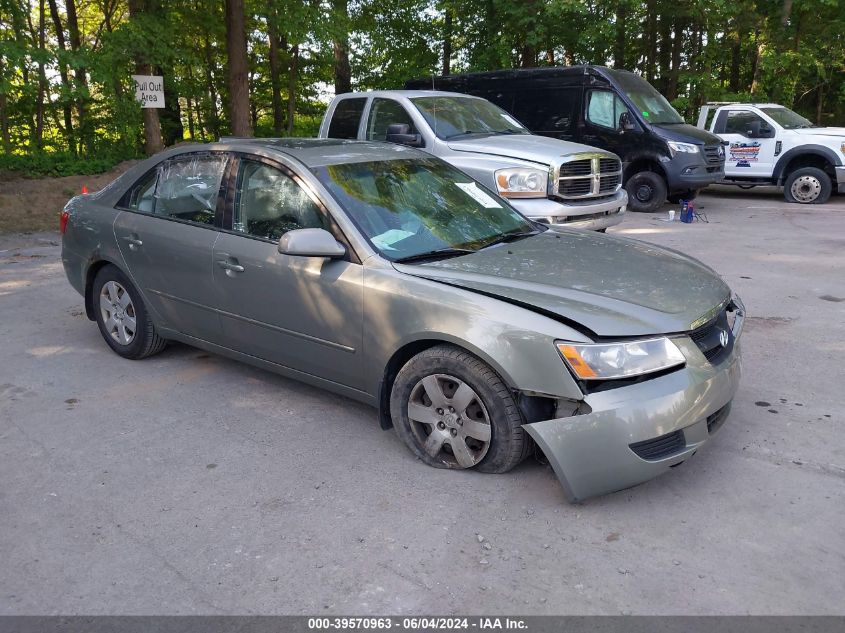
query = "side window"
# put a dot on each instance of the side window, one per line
(744, 123)
(141, 197)
(604, 108)
(346, 117)
(548, 111)
(269, 203)
(386, 112)
(188, 187)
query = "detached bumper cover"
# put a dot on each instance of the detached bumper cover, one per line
(593, 215)
(673, 415)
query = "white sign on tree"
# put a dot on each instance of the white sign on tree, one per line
(149, 90)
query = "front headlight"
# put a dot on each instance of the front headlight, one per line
(606, 361)
(522, 183)
(683, 148)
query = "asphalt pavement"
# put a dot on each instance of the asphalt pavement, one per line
(191, 484)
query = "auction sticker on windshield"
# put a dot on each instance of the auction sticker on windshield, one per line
(482, 198)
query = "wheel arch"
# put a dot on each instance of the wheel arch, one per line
(96, 265)
(818, 156)
(644, 163)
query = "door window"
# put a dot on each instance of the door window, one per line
(269, 203)
(346, 117)
(385, 112)
(743, 123)
(141, 197)
(604, 109)
(188, 187)
(548, 111)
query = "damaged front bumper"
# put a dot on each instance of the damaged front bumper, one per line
(635, 433)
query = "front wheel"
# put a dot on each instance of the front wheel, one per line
(453, 411)
(122, 316)
(808, 185)
(646, 192)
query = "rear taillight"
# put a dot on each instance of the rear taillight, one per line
(63, 222)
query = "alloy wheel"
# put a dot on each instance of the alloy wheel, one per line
(449, 421)
(118, 313)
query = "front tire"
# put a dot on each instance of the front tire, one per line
(646, 192)
(454, 411)
(808, 185)
(122, 316)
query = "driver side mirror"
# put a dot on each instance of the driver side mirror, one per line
(401, 133)
(625, 122)
(311, 243)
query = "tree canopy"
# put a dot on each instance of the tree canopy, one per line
(268, 66)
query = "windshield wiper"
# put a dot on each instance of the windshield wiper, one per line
(435, 254)
(511, 237)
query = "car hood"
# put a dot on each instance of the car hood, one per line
(686, 133)
(539, 149)
(820, 131)
(614, 287)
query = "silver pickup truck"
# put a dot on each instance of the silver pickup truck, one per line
(552, 181)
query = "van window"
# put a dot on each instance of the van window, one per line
(604, 108)
(346, 117)
(548, 111)
(385, 112)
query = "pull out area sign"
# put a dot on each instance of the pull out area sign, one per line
(149, 90)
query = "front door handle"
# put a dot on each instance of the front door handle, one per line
(229, 264)
(134, 242)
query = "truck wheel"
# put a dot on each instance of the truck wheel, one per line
(808, 185)
(646, 192)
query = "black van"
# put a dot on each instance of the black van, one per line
(616, 110)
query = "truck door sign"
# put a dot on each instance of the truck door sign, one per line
(744, 153)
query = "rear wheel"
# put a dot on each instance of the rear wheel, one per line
(808, 185)
(453, 411)
(646, 192)
(122, 316)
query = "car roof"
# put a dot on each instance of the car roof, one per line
(409, 94)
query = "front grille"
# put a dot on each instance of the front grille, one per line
(711, 154)
(660, 447)
(589, 178)
(576, 168)
(714, 420)
(714, 339)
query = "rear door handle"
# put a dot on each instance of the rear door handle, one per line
(229, 264)
(134, 242)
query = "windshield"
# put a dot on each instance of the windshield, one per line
(787, 119)
(451, 117)
(407, 208)
(651, 104)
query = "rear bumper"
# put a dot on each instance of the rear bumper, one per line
(593, 216)
(667, 419)
(840, 179)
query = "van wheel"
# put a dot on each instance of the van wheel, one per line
(453, 411)
(808, 185)
(646, 192)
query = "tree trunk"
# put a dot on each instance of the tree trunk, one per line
(820, 104)
(4, 114)
(664, 55)
(674, 75)
(529, 56)
(237, 54)
(213, 115)
(275, 67)
(342, 69)
(651, 40)
(152, 127)
(293, 68)
(785, 12)
(38, 131)
(63, 75)
(447, 41)
(79, 73)
(755, 63)
(619, 44)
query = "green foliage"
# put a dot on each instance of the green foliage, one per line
(43, 164)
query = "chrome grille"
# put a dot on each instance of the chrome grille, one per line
(588, 177)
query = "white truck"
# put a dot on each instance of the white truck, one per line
(768, 144)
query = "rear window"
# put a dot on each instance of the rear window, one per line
(346, 117)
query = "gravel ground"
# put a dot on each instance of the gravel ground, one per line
(188, 483)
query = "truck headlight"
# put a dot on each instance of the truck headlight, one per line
(522, 183)
(683, 148)
(606, 361)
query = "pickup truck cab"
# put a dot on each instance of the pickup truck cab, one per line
(768, 144)
(548, 180)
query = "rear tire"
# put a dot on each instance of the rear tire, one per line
(122, 316)
(453, 411)
(646, 192)
(808, 185)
